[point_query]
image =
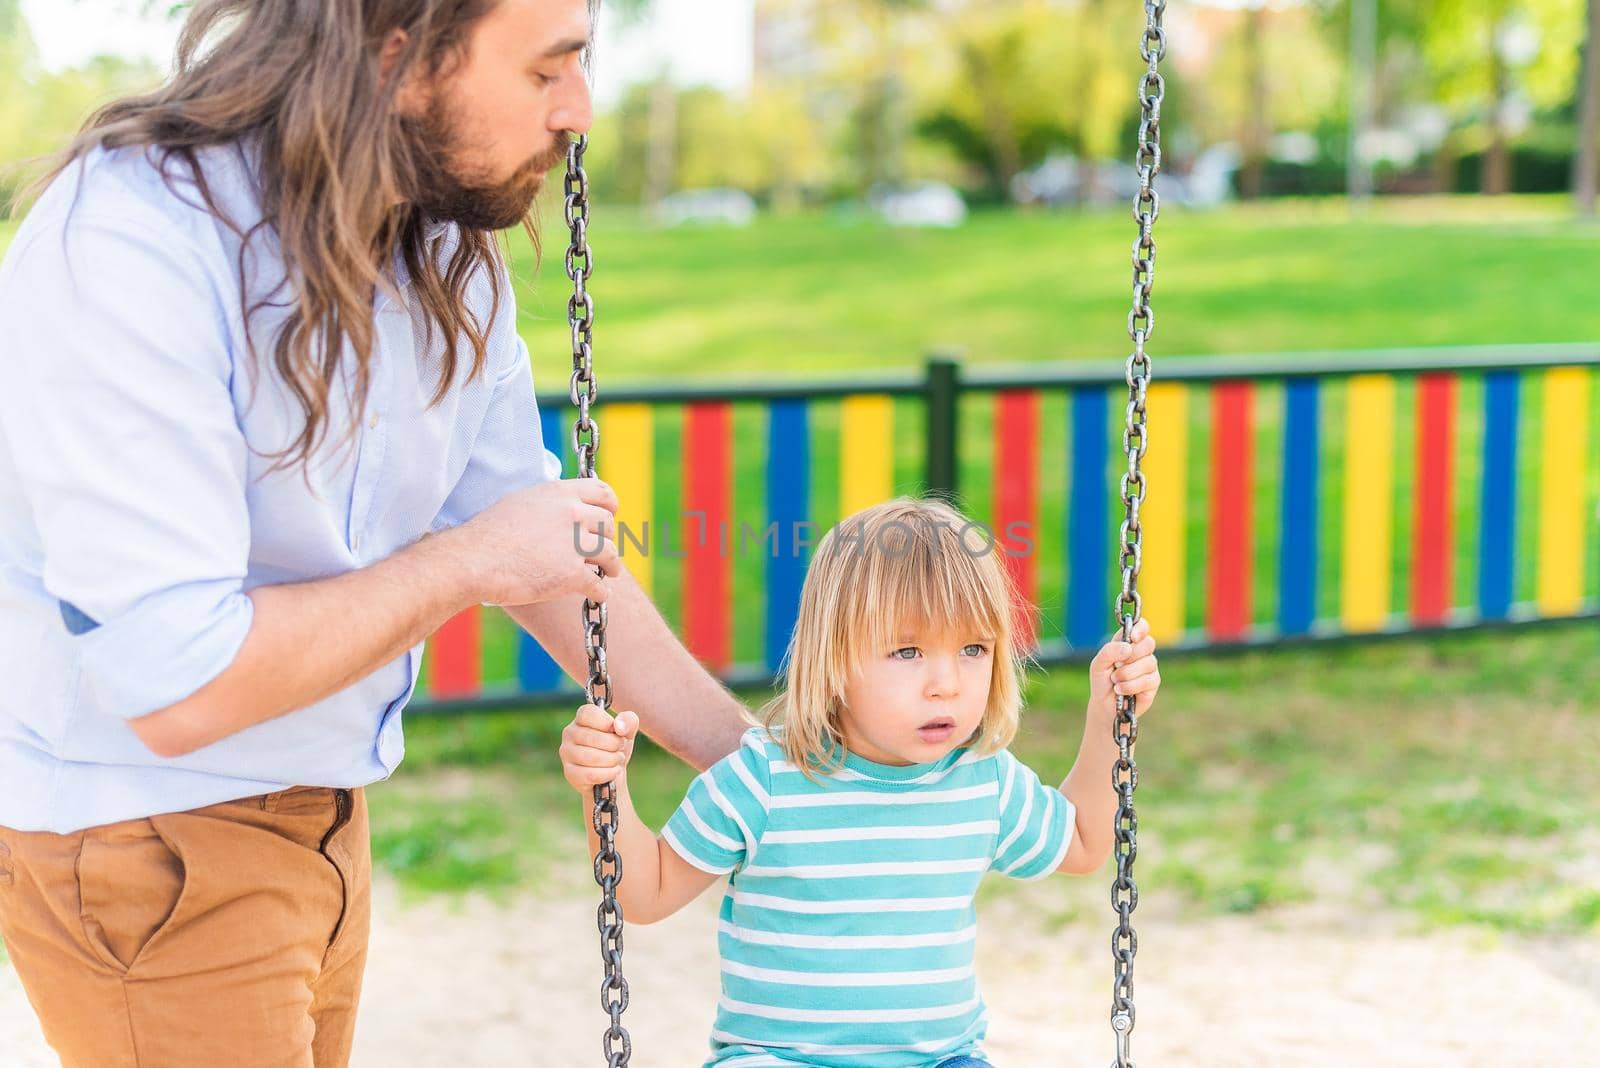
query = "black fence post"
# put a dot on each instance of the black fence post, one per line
(943, 403)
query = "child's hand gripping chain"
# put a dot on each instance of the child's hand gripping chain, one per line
(595, 747)
(1121, 668)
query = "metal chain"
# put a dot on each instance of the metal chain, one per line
(618, 1047)
(1129, 607)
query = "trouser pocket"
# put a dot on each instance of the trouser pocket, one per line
(131, 887)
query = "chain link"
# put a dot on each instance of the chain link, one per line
(616, 1044)
(1129, 606)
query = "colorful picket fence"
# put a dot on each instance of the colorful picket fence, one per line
(1291, 498)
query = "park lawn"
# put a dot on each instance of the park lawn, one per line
(839, 294)
(1449, 779)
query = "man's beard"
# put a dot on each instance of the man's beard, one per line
(443, 194)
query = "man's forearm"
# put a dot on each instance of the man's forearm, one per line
(309, 640)
(681, 706)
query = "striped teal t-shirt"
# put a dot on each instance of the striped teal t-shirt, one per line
(848, 929)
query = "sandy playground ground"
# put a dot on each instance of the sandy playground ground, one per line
(471, 983)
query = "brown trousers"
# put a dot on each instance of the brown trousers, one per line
(231, 935)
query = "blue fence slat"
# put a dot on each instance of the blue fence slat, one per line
(788, 506)
(1497, 524)
(536, 670)
(1089, 614)
(556, 430)
(1297, 536)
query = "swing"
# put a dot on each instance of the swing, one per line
(615, 1042)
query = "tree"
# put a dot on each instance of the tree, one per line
(1257, 128)
(786, 143)
(661, 136)
(1587, 162)
(869, 41)
(1277, 68)
(1018, 83)
(40, 110)
(1487, 57)
(16, 55)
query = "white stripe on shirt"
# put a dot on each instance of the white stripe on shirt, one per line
(927, 977)
(845, 906)
(857, 942)
(876, 834)
(866, 797)
(869, 870)
(850, 1016)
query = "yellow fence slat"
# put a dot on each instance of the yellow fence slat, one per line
(1163, 514)
(627, 462)
(1562, 489)
(1368, 502)
(866, 452)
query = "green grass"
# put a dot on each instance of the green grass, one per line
(1449, 778)
(839, 294)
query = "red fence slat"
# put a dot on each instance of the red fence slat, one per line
(455, 656)
(707, 565)
(1432, 544)
(1230, 564)
(1016, 500)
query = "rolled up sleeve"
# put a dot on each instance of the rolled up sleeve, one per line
(509, 453)
(116, 404)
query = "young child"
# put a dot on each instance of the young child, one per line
(857, 820)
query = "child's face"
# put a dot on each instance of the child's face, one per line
(916, 702)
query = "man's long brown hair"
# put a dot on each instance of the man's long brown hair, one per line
(302, 78)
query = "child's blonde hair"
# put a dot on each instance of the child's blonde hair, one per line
(908, 561)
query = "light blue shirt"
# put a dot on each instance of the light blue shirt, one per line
(136, 508)
(848, 929)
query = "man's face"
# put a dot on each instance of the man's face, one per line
(487, 132)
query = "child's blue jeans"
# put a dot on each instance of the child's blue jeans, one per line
(964, 1062)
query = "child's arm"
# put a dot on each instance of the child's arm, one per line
(1118, 668)
(656, 882)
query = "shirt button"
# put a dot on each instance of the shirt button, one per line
(373, 423)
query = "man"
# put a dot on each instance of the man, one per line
(265, 423)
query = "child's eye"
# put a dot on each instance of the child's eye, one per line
(976, 649)
(912, 649)
(544, 80)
